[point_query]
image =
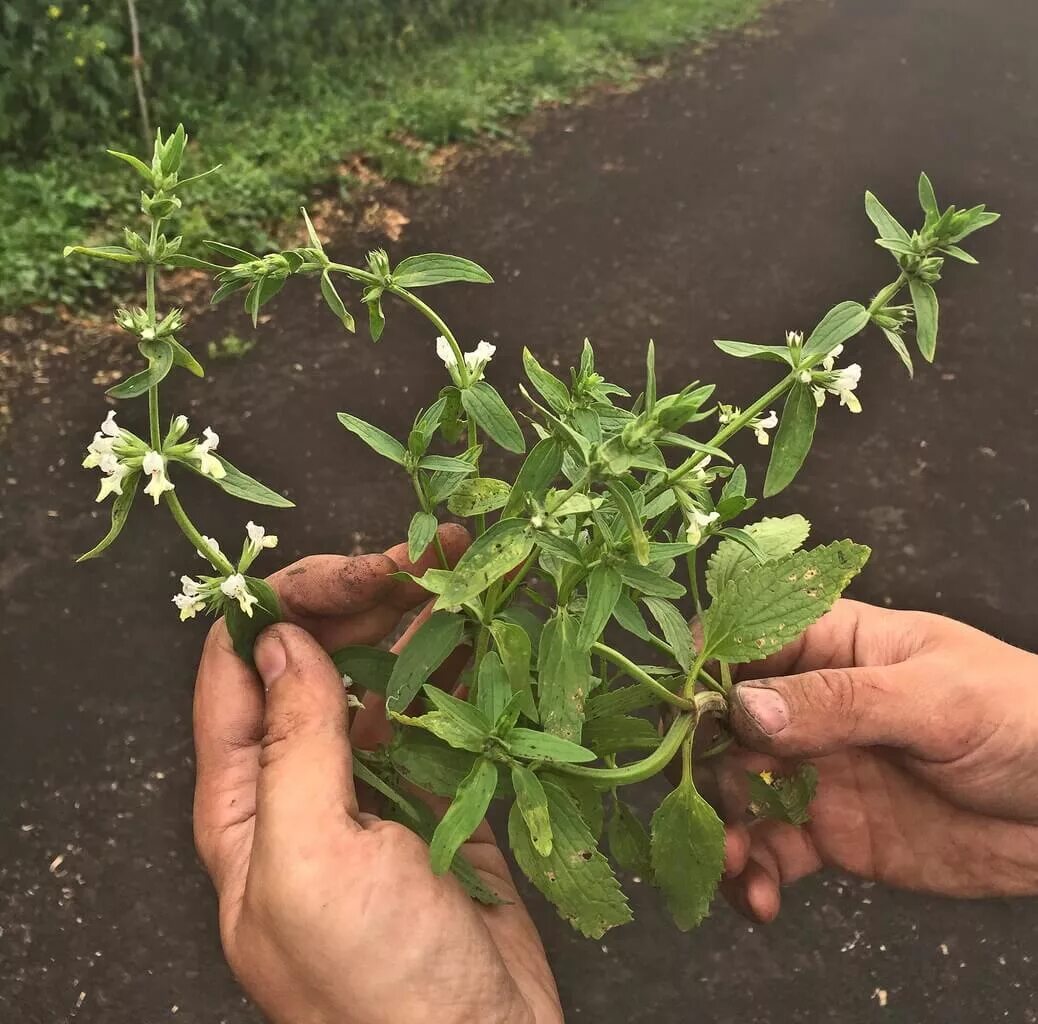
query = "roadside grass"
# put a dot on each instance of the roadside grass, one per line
(395, 109)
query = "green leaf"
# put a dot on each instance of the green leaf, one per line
(574, 876)
(446, 464)
(489, 411)
(375, 438)
(551, 389)
(775, 537)
(629, 841)
(479, 496)
(603, 591)
(793, 439)
(840, 324)
(583, 793)
(426, 761)
(183, 358)
(543, 746)
(420, 534)
(160, 362)
(744, 350)
(533, 806)
(612, 734)
(783, 798)
(515, 649)
(241, 485)
(897, 343)
(493, 554)
(120, 513)
(376, 318)
(428, 648)
(459, 710)
(243, 628)
(926, 314)
(649, 582)
(464, 816)
(885, 223)
(767, 606)
(335, 303)
(137, 164)
(370, 668)
(960, 254)
(115, 253)
(182, 259)
(621, 701)
(625, 503)
(627, 615)
(536, 475)
(230, 251)
(438, 268)
(493, 691)
(927, 199)
(687, 854)
(563, 677)
(451, 730)
(675, 629)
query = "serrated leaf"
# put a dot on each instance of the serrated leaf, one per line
(793, 439)
(543, 746)
(883, 220)
(575, 876)
(563, 677)
(368, 667)
(120, 513)
(491, 414)
(420, 534)
(783, 797)
(767, 606)
(536, 475)
(464, 816)
(533, 806)
(244, 629)
(604, 586)
(479, 496)
(744, 350)
(375, 438)
(839, 325)
(493, 554)
(924, 299)
(629, 842)
(687, 854)
(434, 268)
(775, 537)
(613, 734)
(427, 649)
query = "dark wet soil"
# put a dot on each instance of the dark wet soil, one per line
(721, 202)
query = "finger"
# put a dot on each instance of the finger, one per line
(305, 790)
(454, 539)
(736, 850)
(823, 711)
(333, 585)
(228, 727)
(756, 893)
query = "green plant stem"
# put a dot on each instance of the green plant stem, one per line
(693, 580)
(726, 676)
(639, 675)
(513, 584)
(438, 322)
(153, 417)
(694, 674)
(883, 297)
(202, 546)
(423, 504)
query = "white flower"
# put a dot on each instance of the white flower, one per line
(794, 339)
(727, 413)
(235, 587)
(698, 521)
(830, 360)
(841, 383)
(191, 599)
(479, 357)
(115, 472)
(257, 540)
(155, 466)
(177, 429)
(762, 425)
(445, 352)
(213, 543)
(109, 427)
(101, 454)
(208, 464)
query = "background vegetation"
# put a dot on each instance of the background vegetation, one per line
(279, 93)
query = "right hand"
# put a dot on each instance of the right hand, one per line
(925, 735)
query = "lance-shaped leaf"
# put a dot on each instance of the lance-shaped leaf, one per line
(627, 615)
(455, 731)
(245, 628)
(574, 876)
(840, 324)
(629, 842)
(687, 854)
(543, 746)
(766, 607)
(793, 439)
(120, 513)
(477, 497)
(420, 534)
(489, 411)
(928, 199)
(783, 797)
(241, 485)
(160, 362)
(376, 318)
(501, 548)
(603, 591)
(493, 691)
(884, 221)
(621, 494)
(926, 315)
(675, 629)
(649, 581)
(438, 268)
(427, 649)
(335, 303)
(533, 806)
(536, 475)
(897, 343)
(563, 677)
(369, 668)
(114, 253)
(613, 734)
(515, 649)
(776, 538)
(744, 350)
(375, 438)
(446, 464)
(428, 762)
(551, 389)
(621, 701)
(464, 815)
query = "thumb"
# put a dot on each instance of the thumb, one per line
(817, 713)
(305, 785)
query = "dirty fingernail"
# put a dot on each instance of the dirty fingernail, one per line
(767, 708)
(271, 658)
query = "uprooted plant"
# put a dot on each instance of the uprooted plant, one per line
(615, 514)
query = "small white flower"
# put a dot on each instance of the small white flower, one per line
(478, 358)
(99, 449)
(208, 464)
(112, 483)
(841, 383)
(191, 599)
(806, 377)
(794, 339)
(727, 413)
(213, 543)
(259, 536)
(155, 466)
(236, 588)
(109, 427)
(445, 352)
(762, 425)
(698, 521)
(830, 360)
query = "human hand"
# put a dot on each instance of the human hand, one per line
(924, 733)
(329, 915)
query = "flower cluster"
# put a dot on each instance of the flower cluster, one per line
(475, 361)
(760, 425)
(841, 383)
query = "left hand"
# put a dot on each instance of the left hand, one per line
(329, 915)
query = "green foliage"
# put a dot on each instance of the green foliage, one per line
(784, 797)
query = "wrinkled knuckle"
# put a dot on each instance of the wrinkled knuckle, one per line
(832, 692)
